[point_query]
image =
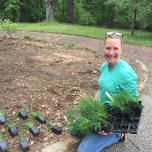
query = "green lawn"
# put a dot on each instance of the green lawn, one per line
(140, 37)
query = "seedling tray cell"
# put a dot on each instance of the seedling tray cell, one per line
(34, 131)
(56, 129)
(2, 119)
(134, 126)
(13, 131)
(41, 119)
(23, 115)
(124, 122)
(24, 145)
(3, 146)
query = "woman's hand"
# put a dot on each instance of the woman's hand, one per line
(104, 133)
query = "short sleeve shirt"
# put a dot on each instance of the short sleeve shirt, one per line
(119, 78)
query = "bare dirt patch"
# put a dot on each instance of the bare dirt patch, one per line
(46, 78)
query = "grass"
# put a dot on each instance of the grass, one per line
(140, 37)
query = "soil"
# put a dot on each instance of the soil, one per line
(46, 78)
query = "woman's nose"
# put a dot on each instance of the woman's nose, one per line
(111, 52)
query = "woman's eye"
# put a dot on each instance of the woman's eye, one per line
(115, 49)
(108, 48)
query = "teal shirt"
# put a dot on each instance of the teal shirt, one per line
(119, 78)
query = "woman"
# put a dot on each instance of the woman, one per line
(116, 76)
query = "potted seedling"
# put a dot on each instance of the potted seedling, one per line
(40, 118)
(123, 101)
(89, 116)
(2, 118)
(23, 114)
(24, 144)
(55, 128)
(32, 129)
(12, 129)
(3, 145)
(125, 112)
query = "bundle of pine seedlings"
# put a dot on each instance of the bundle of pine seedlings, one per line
(123, 101)
(88, 116)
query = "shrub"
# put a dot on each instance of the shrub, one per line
(8, 26)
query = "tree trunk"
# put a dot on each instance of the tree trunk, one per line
(49, 10)
(134, 19)
(110, 17)
(70, 11)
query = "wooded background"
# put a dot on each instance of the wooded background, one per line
(132, 14)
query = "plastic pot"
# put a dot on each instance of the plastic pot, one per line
(2, 119)
(24, 145)
(4, 146)
(56, 129)
(34, 131)
(13, 131)
(23, 115)
(41, 119)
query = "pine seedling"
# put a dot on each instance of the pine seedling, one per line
(34, 115)
(72, 113)
(92, 109)
(122, 100)
(23, 114)
(24, 144)
(89, 116)
(40, 118)
(55, 128)
(32, 129)
(80, 127)
(3, 144)
(2, 118)
(28, 125)
(12, 129)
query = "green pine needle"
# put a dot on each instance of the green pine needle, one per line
(29, 125)
(2, 113)
(49, 125)
(123, 100)
(1, 137)
(34, 115)
(87, 117)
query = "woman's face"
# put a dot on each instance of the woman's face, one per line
(112, 50)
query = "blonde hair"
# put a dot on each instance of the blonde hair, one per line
(114, 36)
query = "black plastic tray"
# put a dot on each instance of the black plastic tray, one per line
(125, 122)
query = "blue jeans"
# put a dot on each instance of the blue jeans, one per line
(97, 142)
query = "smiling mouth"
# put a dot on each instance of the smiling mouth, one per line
(111, 56)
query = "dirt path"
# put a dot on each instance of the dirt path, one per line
(142, 53)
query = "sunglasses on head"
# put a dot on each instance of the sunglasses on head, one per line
(113, 33)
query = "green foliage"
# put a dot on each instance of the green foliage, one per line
(8, 26)
(29, 125)
(34, 115)
(140, 37)
(32, 11)
(12, 10)
(70, 44)
(1, 137)
(122, 100)
(9, 124)
(1, 113)
(81, 15)
(109, 13)
(49, 125)
(87, 117)
(60, 10)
